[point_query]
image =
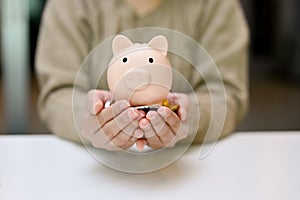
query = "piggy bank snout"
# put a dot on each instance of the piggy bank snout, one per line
(136, 78)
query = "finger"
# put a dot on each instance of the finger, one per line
(121, 140)
(152, 139)
(111, 112)
(166, 136)
(146, 127)
(133, 133)
(172, 98)
(113, 127)
(170, 118)
(96, 99)
(178, 98)
(124, 140)
(138, 133)
(142, 114)
(182, 114)
(178, 127)
(156, 121)
(99, 140)
(182, 132)
(164, 132)
(131, 128)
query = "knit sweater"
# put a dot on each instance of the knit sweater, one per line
(71, 29)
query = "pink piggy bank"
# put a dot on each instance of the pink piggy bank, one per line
(140, 73)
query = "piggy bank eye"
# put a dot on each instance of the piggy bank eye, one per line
(151, 60)
(124, 60)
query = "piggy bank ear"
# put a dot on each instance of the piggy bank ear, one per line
(119, 43)
(159, 42)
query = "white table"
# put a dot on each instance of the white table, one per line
(245, 166)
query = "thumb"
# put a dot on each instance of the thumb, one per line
(95, 101)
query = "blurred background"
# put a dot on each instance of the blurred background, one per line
(274, 65)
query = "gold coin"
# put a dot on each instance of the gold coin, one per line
(166, 103)
(174, 107)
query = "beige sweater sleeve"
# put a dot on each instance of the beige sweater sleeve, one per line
(63, 44)
(224, 35)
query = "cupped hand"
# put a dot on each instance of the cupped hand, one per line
(113, 128)
(165, 128)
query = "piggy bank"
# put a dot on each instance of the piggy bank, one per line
(140, 73)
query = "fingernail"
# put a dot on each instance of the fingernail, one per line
(139, 133)
(143, 123)
(97, 108)
(150, 115)
(161, 111)
(133, 113)
(142, 113)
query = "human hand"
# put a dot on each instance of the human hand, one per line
(165, 128)
(113, 128)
